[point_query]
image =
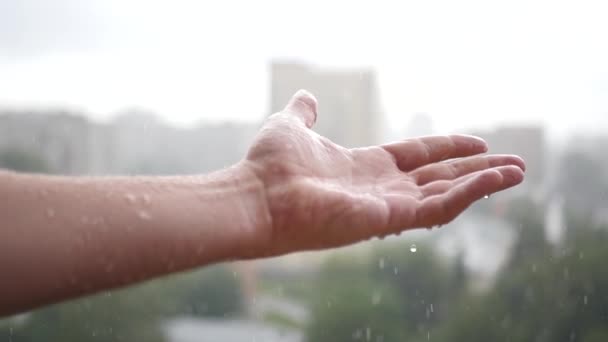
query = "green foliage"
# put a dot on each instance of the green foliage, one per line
(214, 292)
(132, 314)
(543, 293)
(395, 295)
(24, 161)
(557, 297)
(362, 310)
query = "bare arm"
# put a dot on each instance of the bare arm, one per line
(62, 237)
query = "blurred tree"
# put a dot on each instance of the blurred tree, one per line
(531, 242)
(132, 314)
(561, 297)
(351, 305)
(427, 288)
(20, 160)
(584, 183)
(213, 292)
(396, 295)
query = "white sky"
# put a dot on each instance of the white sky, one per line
(467, 63)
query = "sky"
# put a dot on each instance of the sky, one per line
(469, 64)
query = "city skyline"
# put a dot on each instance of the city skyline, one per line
(519, 63)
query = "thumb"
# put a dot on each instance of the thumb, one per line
(303, 105)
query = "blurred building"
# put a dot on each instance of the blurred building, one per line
(146, 145)
(349, 111)
(525, 141)
(65, 142)
(135, 142)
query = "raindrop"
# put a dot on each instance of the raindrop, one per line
(130, 198)
(147, 199)
(585, 299)
(413, 248)
(368, 334)
(50, 213)
(144, 215)
(376, 298)
(428, 335)
(395, 270)
(432, 307)
(534, 268)
(381, 263)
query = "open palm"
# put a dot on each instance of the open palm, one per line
(321, 195)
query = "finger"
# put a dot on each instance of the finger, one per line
(461, 167)
(303, 106)
(411, 154)
(442, 186)
(443, 208)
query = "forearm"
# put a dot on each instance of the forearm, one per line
(64, 237)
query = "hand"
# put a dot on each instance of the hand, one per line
(320, 195)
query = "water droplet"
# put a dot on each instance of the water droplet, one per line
(413, 248)
(585, 299)
(50, 213)
(130, 198)
(432, 307)
(395, 270)
(486, 196)
(144, 215)
(376, 298)
(368, 334)
(381, 263)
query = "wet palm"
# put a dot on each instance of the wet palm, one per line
(320, 194)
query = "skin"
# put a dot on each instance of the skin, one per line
(64, 237)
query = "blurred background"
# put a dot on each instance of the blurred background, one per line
(181, 87)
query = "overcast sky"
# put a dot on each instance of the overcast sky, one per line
(467, 63)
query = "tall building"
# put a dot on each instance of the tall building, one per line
(349, 112)
(525, 141)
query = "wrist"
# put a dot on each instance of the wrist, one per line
(248, 217)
